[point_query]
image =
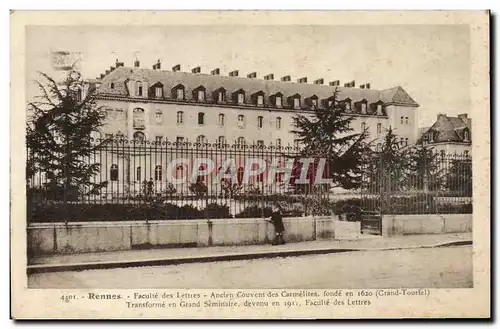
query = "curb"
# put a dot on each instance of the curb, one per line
(47, 268)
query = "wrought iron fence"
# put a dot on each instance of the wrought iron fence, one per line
(162, 180)
(423, 183)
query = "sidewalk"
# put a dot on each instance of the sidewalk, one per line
(156, 257)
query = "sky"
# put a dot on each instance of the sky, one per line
(431, 62)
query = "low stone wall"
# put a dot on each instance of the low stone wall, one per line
(44, 238)
(426, 224)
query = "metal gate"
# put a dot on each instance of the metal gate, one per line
(371, 222)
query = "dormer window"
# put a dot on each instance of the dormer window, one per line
(314, 102)
(431, 137)
(158, 92)
(296, 103)
(278, 101)
(379, 109)
(347, 105)
(178, 92)
(201, 95)
(260, 100)
(241, 98)
(221, 97)
(112, 86)
(466, 136)
(363, 107)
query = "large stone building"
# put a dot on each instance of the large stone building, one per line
(171, 105)
(156, 104)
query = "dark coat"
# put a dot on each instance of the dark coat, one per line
(277, 220)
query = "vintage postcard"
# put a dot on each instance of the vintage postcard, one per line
(250, 164)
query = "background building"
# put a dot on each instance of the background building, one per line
(449, 135)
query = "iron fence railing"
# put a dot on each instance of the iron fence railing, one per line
(163, 180)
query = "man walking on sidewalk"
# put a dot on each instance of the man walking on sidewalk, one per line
(277, 220)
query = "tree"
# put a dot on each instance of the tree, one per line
(459, 177)
(326, 133)
(425, 173)
(59, 138)
(386, 171)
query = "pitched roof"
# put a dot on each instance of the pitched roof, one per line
(448, 129)
(213, 82)
(397, 95)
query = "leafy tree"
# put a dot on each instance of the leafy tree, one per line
(326, 133)
(58, 138)
(230, 189)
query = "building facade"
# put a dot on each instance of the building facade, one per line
(158, 105)
(448, 135)
(170, 105)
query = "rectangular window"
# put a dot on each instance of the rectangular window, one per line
(278, 142)
(402, 120)
(314, 102)
(138, 174)
(260, 143)
(278, 123)
(180, 117)
(379, 128)
(296, 103)
(221, 120)
(363, 126)
(407, 121)
(220, 97)
(159, 139)
(201, 118)
(241, 98)
(201, 95)
(180, 93)
(241, 121)
(158, 92)
(260, 122)
(406, 141)
(278, 101)
(179, 139)
(260, 100)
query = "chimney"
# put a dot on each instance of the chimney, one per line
(196, 70)
(111, 68)
(334, 83)
(270, 76)
(102, 75)
(157, 66)
(367, 86)
(215, 71)
(233, 73)
(176, 68)
(252, 75)
(350, 84)
(463, 117)
(441, 115)
(137, 63)
(319, 81)
(302, 80)
(118, 64)
(362, 86)
(285, 78)
(107, 72)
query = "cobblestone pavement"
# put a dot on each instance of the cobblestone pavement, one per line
(369, 242)
(446, 267)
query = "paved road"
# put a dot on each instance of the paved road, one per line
(407, 268)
